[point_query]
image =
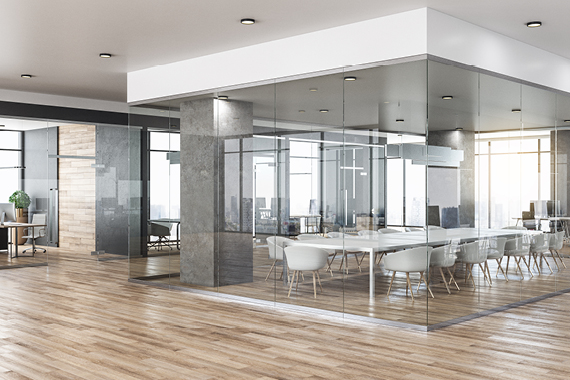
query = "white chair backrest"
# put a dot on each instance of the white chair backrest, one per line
(557, 240)
(514, 228)
(471, 253)
(435, 228)
(411, 229)
(275, 245)
(442, 257)
(39, 219)
(387, 231)
(496, 247)
(516, 247)
(368, 233)
(411, 260)
(540, 243)
(309, 237)
(306, 258)
(335, 235)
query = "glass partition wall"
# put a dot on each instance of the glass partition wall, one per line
(351, 192)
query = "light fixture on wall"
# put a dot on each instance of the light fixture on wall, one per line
(323, 111)
(105, 55)
(312, 89)
(247, 21)
(350, 79)
(301, 111)
(567, 121)
(447, 97)
(223, 97)
(534, 24)
(458, 129)
(516, 110)
(27, 76)
(399, 120)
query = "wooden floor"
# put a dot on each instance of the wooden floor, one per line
(349, 293)
(80, 319)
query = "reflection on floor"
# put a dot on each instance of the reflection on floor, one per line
(24, 258)
(349, 293)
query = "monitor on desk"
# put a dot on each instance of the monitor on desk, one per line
(7, 210)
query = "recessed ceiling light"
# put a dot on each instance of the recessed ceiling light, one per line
(447, 97)
(323, 111)
(386, 102)
(399, 120)
(247, 21)
(223, 97)
(105, 55)
(312, 89)
(534, 24)
(2, 125)
(516, 110)
(301, 111)
(567, 121)
(27, 76)
(350, 79)
(459, 129)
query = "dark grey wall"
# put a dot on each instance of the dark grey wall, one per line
(465, 141)
(112, 189)
(40, 174)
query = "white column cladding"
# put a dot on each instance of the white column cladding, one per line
(209, 255)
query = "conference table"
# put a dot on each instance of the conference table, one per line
(14, 226)
(399, 241)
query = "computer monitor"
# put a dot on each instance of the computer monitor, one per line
(539, 209)
(8, 209)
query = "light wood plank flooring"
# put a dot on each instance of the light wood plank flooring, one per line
(80, 319)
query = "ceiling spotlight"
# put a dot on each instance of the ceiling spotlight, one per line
(312, 89)
(447, 97)
(301, 111)
(27, 76)
(516, 110)
(223, 97)
(534, 24)
(386, 102)
(567, 121)
(2, 125)
(350, 78)
(247, 21)
(459, 129)
(105, 55)
(323, 111)
(399, 120)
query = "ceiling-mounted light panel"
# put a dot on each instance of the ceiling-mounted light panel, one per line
(27, 76)
(447, 97)
(350, 79)
(105, 55)
(534, 24)
(247, 21)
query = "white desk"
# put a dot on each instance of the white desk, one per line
(398, 241)
(15, 226)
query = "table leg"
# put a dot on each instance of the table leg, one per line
(33, 243)
(16, 241)
(178, 236)
(372, 278)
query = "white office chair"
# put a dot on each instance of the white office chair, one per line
(411, 260)
(368, 233)
(345, 252)
(38, 232)
(275, 245)
(517, 249)
(538, 247)
(332, 253)
(412, 229)
(301, 259)
(388, 231)
(444, 257)
(556, 244)
(162, 231)
(470, 254)
(495, 251)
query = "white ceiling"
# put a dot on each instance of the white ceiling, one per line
(58, 41)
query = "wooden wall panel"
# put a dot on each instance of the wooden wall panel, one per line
(77, 188)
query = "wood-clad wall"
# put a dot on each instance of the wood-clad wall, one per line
(77, 188)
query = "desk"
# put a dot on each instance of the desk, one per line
(15, 226)
(398, 241)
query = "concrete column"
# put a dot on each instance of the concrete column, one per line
(209, 255)
(560, 182)
(465, 141)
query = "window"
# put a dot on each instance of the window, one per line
(10, 163)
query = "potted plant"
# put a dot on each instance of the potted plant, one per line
(21, 201)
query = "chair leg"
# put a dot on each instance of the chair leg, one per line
(451, 278)
(291, 285)
(501, 268)
(427, 285)
(527, 265)
(534, 255)
(297, 281)
(391, 282)
(409, 285)
(507, 268)
(319, 280)
(471, 275)
(546, 261)
(271, 270)
(484, 273)
(314, 285)
(554, 259)
(444, 280)
(560, 257)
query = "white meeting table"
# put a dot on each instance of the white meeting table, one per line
(399, 241)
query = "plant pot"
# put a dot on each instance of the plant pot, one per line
(21, 215)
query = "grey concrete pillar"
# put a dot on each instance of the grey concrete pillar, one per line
(210, 255)
(560, 182)
(465, 141)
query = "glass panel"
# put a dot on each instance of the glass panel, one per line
(10, 140)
